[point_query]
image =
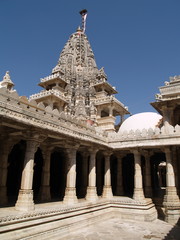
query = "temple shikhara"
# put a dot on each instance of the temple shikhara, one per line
(66, 162)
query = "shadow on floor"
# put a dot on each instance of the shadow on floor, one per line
(174, 234)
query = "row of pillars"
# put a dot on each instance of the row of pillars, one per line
(25, 198)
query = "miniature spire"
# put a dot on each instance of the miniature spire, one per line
(6, 82)
(84, 16)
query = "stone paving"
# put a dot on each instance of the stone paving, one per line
(117, 229)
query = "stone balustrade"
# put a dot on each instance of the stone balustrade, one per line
(50, 77)
(170, 89)
(147, 133)
(108, 99)
(48, 93)
(146, 137)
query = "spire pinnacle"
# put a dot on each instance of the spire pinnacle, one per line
(6, 82)
(84, 16)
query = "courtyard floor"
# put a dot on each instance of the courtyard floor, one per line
(117, 229)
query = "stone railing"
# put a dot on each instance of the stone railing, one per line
(108, 99)
(47, 93)
(171, 89)
(50, 77)
(22, 110)
(157, 133)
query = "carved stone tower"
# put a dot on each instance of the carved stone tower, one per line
(77, 87)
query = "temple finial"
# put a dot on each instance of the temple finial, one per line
(84, 16)
(6, 82)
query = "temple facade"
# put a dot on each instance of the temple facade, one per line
(62, 147)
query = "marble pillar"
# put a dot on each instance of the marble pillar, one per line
(45, 182)
(138, 184)
(25, 198)
(171, 200)
(91, 189)
(107, 190)
(70, 192)
(119, 185)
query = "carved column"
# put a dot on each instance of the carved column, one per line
(25, 198)
(110, 111)
(107, 190)
(45, 186)
(119, 186)
(171, 199)
(147, 182)
(138, 186)
(6, 147)
(70, 192)
(91, 190)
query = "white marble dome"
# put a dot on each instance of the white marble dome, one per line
(140, 121)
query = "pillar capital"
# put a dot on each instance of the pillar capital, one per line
(136, 152)
(35, 136)
(107, 154)
(93, 150)
(147, 153)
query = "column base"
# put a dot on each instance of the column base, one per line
(91, 194)
(171, 204)
(107, 192)
(45, 194)
(3, 195)
(25, 201)
(70, 196)
(171, 198)
(138, 194)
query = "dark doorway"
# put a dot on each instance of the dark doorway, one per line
(38, 164)
(15, 162)
(128, 175)
(156, 159)
(79, 176)
(58, 172)
(99, 173)
(113, 168)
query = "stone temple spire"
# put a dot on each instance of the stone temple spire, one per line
(77, 87)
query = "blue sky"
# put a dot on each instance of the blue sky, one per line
(136, 41)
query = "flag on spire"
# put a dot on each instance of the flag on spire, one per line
(84, 16)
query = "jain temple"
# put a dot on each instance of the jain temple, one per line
(64, 162)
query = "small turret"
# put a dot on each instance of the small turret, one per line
(6, 82)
